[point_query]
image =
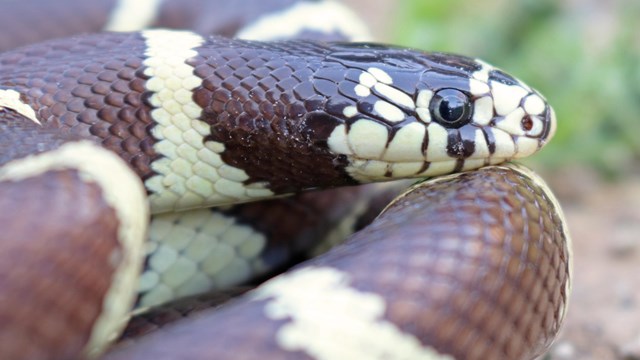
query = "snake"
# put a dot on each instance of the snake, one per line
(118, 141)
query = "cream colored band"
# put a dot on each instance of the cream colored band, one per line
(124, 192)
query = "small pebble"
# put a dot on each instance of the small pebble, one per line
(563, 350)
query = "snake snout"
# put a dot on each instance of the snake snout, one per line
(530, 125)
(515, 119)
(551, 125)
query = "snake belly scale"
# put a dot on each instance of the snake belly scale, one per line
(196, 121)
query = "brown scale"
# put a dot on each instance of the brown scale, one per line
(91, 87)
(53, 279)
(294, 226)
(476, 267)
(485, 265)
(273, 105)
(261, 100)
(210, 335)
(159, 316)
(21, 137)
(259, 97)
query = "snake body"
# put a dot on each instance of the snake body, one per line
(103, 121)
(468, 293)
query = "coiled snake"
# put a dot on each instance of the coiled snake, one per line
(473, 265)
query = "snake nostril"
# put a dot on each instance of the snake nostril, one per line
(527, 123)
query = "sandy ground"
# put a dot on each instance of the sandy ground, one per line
(603, 321)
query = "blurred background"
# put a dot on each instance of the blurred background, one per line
(584, 56)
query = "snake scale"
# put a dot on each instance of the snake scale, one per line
(102, 131)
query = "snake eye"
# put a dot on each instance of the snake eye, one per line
(451, 108)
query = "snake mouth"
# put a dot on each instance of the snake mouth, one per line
(380, 170)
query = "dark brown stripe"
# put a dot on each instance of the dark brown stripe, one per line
(461, 142)
(490, 139)
(257, 97)
(296, 225)
(58, 252)
(502, 77)
(459, 166)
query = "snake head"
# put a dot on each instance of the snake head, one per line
(465, 95)
(424, 114)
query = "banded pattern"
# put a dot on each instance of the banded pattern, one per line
(64, 304)
(191, 172)
(233, 120)
(452, 287)
(197, 251)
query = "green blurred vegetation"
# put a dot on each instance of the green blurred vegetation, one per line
(583, 55)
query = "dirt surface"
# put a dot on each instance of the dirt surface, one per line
(603, 320)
